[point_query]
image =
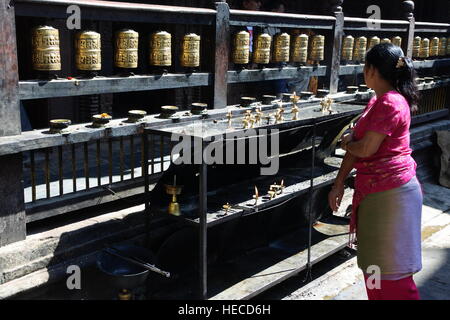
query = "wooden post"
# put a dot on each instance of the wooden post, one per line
(408, 11)
(221, 55)
(12, 207)
(335, 7)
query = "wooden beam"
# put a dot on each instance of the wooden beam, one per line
(12, 212)
(275, 74)
(334, 69)
(221, 55)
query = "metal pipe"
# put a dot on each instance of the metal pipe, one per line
(86, 164)
(33, 176)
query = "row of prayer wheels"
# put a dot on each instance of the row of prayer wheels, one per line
(436, 47)
(46, 51)
(356, 49)
(278, 50)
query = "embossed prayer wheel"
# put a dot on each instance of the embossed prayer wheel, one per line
(282, 48)
(359, 53)
(45, 46)
(347, 48)
(442, 47)
(241, 49)
(262, 48)
(317, 52)
(190, 56)
(416, 47)
(386, 40)
(373, 42)
(425, 48)
(434, 47)
(126, 55)
(300, 52)
(88, 55)
(397, 41)
(448, 46)
(160, 49)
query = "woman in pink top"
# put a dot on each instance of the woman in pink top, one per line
(387, 203)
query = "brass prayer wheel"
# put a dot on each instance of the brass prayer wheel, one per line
(126, 55)
(190, 56)
(262, 48)
(241, 49)
(442, 47)
(88, 55)
(45, 43)
(434, 47)
(347, 48)
(317, 48)
(425, 48)
(373, 42)
(386, 40)
(282, 47)
(448, 46)
(416, 47)
(359, 54)
(397, 41)
(161, 49)
(300, 53)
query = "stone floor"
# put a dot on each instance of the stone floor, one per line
(338, 277)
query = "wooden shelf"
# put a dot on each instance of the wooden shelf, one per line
(38, 89)
(437, 63)
(275, 73)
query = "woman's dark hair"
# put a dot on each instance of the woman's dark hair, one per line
(394, 67)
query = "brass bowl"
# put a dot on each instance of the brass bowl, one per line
(59, 124)
(352, 89)
(136, 115)
(168, 111)
(268, 99)
(305, 95)
(286, 97)
(321, 93)
(247, 101)
(363, 88)
(198, 108)
(101, 119)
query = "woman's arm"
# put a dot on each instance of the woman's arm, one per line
(337, 191)
(367, 146)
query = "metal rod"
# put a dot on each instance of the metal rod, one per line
(61, 171)
(146, 186)
(310, 197)
(152, 153)
(33, 176)
(132, 156)
(99, 169)
(203, 229)
(110, 160)
(137, 261)
(74, 169)
(86, 164)
(161, 152)
(142, 154)
(121, 158)
(47, 173)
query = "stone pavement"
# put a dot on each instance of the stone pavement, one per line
(345, 280)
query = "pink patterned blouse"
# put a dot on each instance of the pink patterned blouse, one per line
(392, 165)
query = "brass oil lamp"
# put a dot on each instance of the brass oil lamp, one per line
(126, 54)
(317, 49)
(88, 55)
(46, 55)
(347, 49)
(300, 52)
(241, 49)
(160, 51)
(359, 53)
(190, 55)
(263, 44)
(174, 190)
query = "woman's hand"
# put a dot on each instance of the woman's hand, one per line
(346, 139)
(335, 197)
